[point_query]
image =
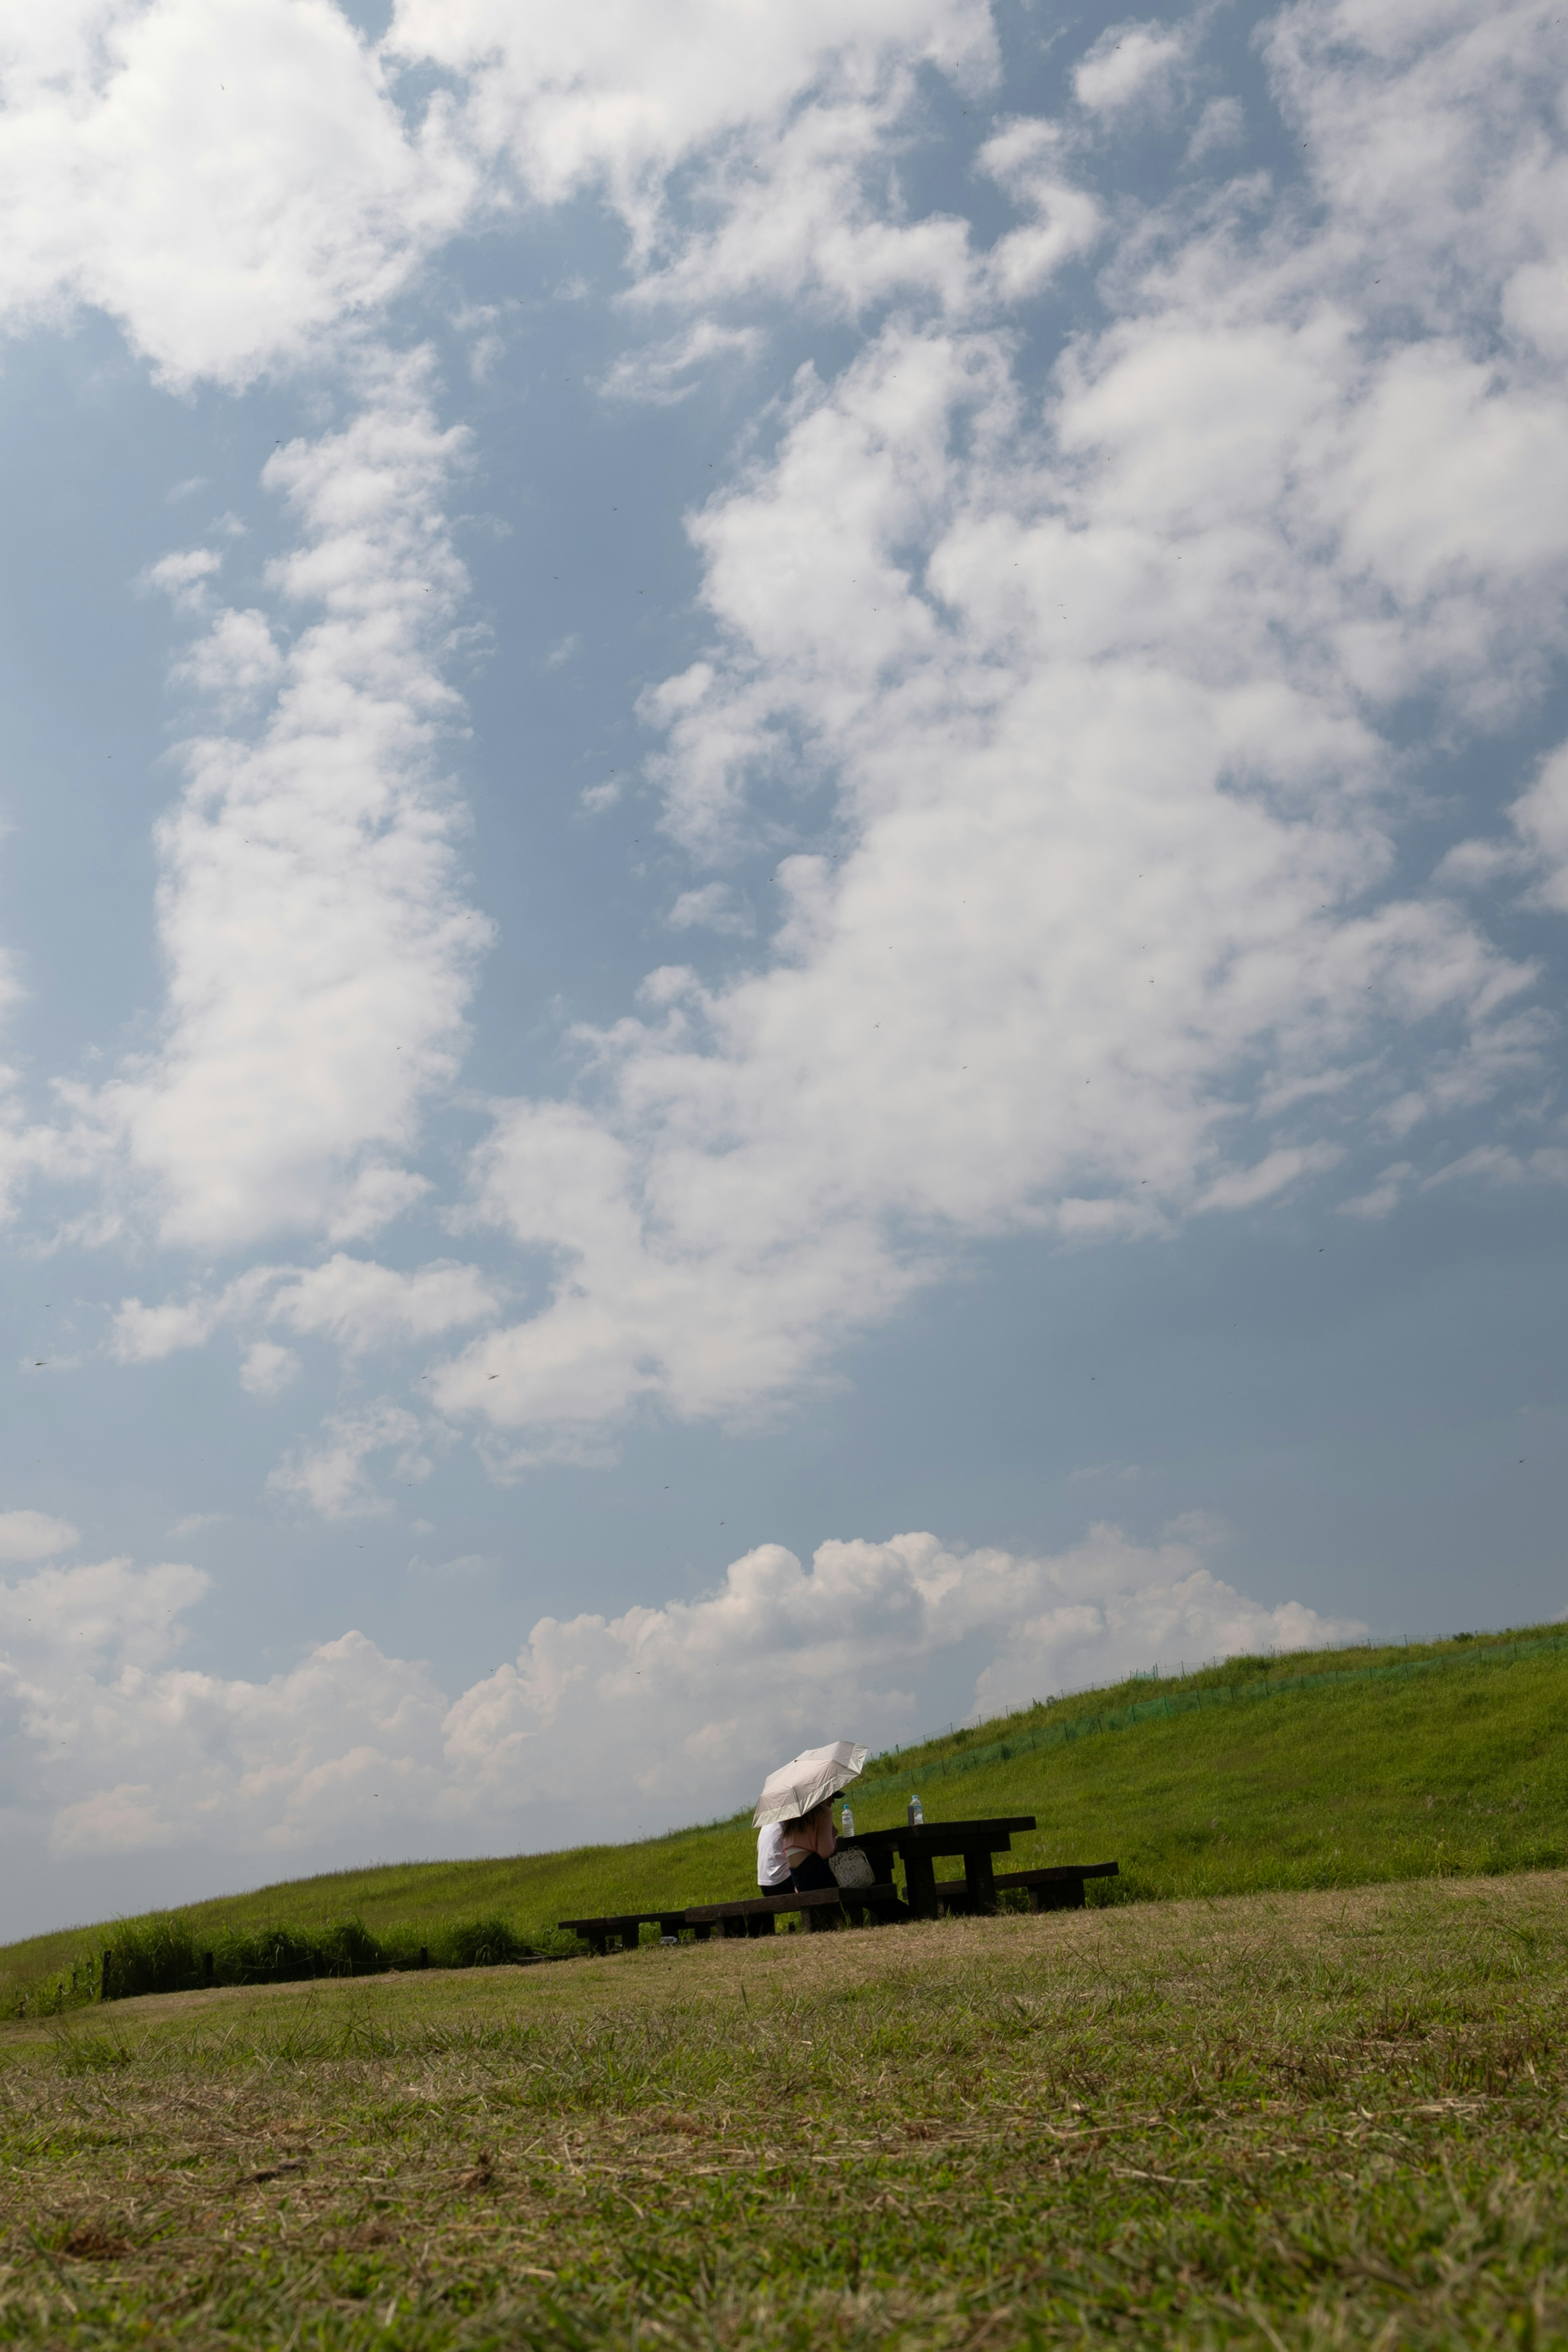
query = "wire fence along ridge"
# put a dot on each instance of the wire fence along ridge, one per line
(1147, 1710)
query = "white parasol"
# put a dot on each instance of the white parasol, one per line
(797, 1788)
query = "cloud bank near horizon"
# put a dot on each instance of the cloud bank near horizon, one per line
(116, 1748)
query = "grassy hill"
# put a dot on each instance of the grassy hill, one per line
(1313, 1771)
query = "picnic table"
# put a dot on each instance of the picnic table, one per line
(920, 1844)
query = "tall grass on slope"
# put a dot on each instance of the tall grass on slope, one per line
(163, 1952)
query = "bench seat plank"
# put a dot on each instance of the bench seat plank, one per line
(1059, 1887)
(598, 1934)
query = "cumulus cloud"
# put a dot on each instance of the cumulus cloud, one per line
(357, 1303)
(1028, 160)
(268, 1368)
(1108, 689)
(708, 1692)
(320, 945)
(230, 180)
(1128, 63)
(183, 576)
(710, 906)
(333, 1473)
(683, 1707)
(1109, 698)
(34, 1535)
(624, 94)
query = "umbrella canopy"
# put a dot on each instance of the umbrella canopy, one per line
(795, 1787)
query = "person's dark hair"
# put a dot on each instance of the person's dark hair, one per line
(802, 1821)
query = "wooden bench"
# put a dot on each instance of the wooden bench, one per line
(757, 1915)
(622, 1928)
(1060, 1888)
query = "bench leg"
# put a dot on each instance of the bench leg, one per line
(980, 1883)
(1067, 1894)
(734, 1927)
(598, 1946)
(920, 1884)
(702, 1930)
(761, 1923)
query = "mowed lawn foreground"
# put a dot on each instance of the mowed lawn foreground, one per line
(1331, 2117)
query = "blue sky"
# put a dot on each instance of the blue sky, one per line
(786, 828)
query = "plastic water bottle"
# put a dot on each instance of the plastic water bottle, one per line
(917, 1812)
(849, 1829)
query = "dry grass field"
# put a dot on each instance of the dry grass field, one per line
(1292, 2119)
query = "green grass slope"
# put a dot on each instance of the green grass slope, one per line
(1304, 1771)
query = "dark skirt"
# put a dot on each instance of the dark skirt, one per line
(811, 1874)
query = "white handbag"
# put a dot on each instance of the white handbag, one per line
(852, 1868)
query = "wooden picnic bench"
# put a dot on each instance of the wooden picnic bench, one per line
(1058, 1888)
(920, 1844)
(623, 1927)
(917, 1845)
(755, 1915)
(750, 1915)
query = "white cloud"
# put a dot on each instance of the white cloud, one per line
(1106, 691)
(183, 577)
(237, 661)
(671, 370)
(145, 1335)
(710, 906)
(333, 1475)
(355, 1302)
(320, 946)
(229, 179)
(623, 93)
(1109, 700)
(1384, 1196)
(682, 1708)
(1222, 124)
(34, 1535)
(267, 1369)
(1498, 1164)
(363, 1305)
(1129, 62)
(1243, 1188)
(1026, 158)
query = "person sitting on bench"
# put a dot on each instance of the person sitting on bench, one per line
(772, 1869)
(808, 1842)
